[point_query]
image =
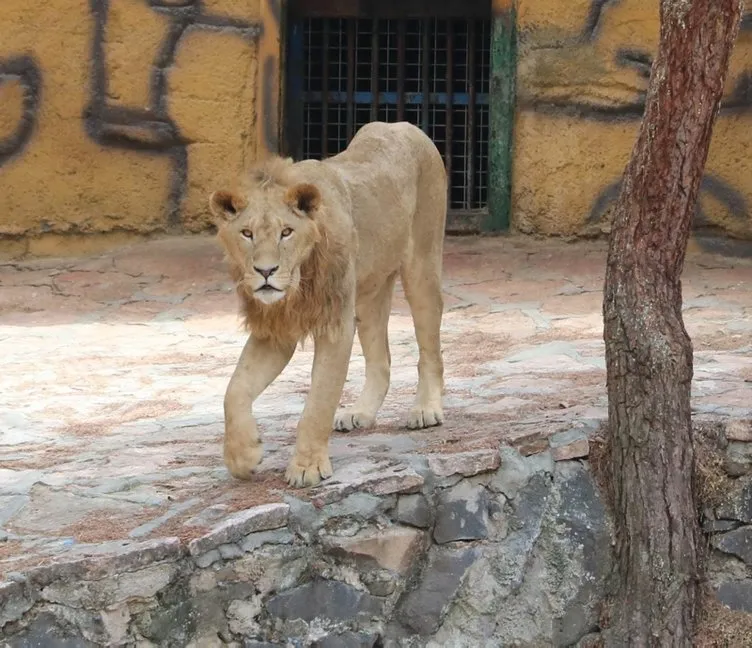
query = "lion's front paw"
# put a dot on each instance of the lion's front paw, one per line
(353, 420)
(241, 460)
(308, 470)
(425, 416)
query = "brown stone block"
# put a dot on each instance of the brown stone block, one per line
(581, 83)
(57, 34)
(211, 107)
(134, 36)
(466, 464)
(213, 66)
(546, 17)
(62, 180)
(243, 9)
(210, 166)
(576, 449)
(561, 167)
(739, 430)
(727, 203)
(533, 446)
(65, 181)
(212, 90)
(394, 548)
(11, 107)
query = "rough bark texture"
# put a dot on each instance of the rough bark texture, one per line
(648, 351)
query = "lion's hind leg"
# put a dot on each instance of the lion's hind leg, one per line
(423, 292)
(373, 332)
(421, 279)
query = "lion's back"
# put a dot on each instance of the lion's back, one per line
(395, 150)
(387, 167)
(391, 170)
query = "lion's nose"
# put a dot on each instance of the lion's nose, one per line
(266, 272)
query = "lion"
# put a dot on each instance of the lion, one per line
(314, 248)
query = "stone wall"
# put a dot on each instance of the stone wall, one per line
(117, 116)
(728, 517)
(455, 551)
(482, 548)
(582, 76)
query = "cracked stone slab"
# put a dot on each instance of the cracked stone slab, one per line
(260, 518)
(737, 504)
(328, 599)
(414, 510)
(15, 600)
(97, 560)
(517, 470)
(376, 478)
(461, 514)
(422, 609)
(736, 595)
(393, 548)
(118, 588)
(739, 430)
(18, 482)
(572, 444)
(466, 464)
(737, 542)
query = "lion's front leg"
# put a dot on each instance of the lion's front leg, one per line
(310, 462)
(259, 364)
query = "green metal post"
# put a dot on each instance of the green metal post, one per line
(501, 114)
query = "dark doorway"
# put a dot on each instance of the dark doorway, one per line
(351, 62)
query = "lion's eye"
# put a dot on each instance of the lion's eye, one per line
(247, 233)
(286, 232)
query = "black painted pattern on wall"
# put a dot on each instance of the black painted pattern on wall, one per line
(151, 129)
(23, 70)
(740, 100)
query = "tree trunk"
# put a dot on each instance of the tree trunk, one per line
(648, 351)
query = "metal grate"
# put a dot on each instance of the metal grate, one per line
(433, 72)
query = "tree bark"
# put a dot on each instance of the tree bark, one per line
(648, 351)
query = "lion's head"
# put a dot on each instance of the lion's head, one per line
(268, 232)
(283, 259)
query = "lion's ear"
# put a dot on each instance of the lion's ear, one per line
(226, 205)
(304, 197)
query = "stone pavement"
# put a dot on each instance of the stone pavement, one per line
(114, 370)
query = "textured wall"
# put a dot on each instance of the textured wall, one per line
(117, 116)
(583, 71)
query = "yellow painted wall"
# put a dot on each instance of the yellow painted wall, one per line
(583, 69)
(117, 117)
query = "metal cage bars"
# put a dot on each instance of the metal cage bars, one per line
(433, 72)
